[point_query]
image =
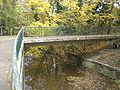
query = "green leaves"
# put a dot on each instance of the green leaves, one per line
(118, 82)
(12, 15)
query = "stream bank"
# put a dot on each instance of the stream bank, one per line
(54, 68)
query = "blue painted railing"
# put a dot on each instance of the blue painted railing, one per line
(18, 62)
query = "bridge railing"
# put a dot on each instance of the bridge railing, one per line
(62, 30)
(17, 64)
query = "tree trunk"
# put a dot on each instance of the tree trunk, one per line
(109, 28)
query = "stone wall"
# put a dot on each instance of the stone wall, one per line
(104, 69)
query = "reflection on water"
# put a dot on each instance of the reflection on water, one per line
(49, 74)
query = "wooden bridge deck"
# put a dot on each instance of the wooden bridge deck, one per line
(34, 41)
(6, 48)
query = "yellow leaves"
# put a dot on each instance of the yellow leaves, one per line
(36, 24)
(33, 52)
(1, 2)
(65, 3)
(36, 51)
(86, 13)
(33, 2)
(87, 8)
(71, 13)
(39, 5)
(39, 9)
(108, 17)
(84, 17)
(72, 4)
(96, 16)
(57, 17)
(54, 25)
(46, 24)
(45, 5)
(42, 9)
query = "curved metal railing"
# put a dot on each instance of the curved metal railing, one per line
(18, 63)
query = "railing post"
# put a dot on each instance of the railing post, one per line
(1, 31)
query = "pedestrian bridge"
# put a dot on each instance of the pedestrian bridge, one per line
(15, 66)
(36, 41)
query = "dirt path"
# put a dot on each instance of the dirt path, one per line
(112, 58)
(6, 47)
(103, 53)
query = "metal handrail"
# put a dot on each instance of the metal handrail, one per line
(63, 31)
(17, 65)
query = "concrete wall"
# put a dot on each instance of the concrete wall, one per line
(104, 69)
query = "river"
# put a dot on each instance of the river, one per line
(51, 73)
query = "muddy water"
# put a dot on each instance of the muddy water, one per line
(51, 74)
